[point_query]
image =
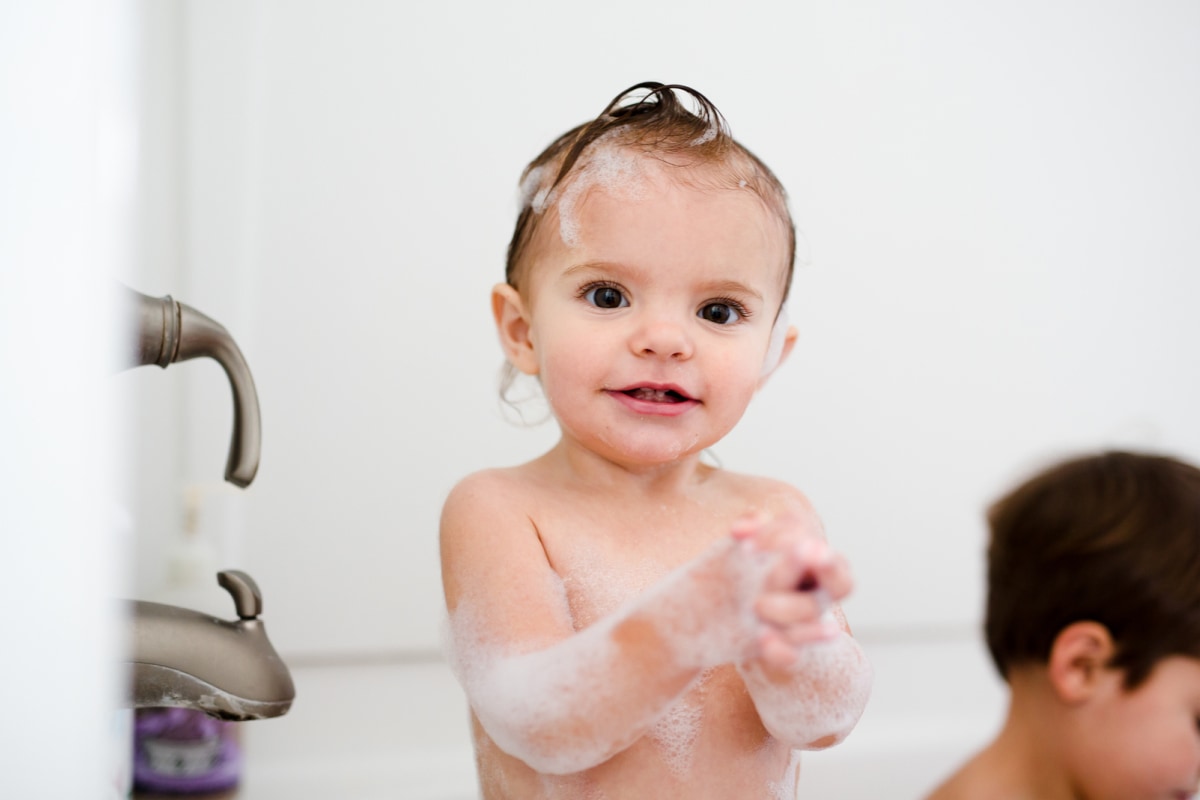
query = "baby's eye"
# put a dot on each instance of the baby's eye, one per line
(720, 313)
(604, 296)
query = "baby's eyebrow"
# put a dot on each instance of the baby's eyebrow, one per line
(601, 266)
(734, 288)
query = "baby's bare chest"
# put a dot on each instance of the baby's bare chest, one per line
(607, 560)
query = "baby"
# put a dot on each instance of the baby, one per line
(1093, 619)
(627, 620)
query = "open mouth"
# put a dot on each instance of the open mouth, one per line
(649, 395)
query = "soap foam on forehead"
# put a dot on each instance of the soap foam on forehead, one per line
(624, 173)
(609, 167)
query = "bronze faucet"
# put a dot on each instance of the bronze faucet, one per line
(166, 331)
(183, 658)
(186, 659)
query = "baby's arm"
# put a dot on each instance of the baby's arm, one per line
(809, 679)
(564, 701)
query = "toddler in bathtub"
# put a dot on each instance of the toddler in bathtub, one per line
(1093, 619)
(628, 621)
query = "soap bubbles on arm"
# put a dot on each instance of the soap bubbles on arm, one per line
(808, 677)
(563, 700)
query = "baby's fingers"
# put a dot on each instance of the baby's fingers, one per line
(822, 630)
(790, 608)
(780, 648)
(805, 565)
(749, 527)
(831, 574)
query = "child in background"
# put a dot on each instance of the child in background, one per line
(627, 620)
(1093, 619)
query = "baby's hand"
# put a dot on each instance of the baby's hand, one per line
(805, 579)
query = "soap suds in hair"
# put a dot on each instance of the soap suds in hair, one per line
(709, 134)
(531, 192)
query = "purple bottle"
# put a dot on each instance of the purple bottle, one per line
(183, 751)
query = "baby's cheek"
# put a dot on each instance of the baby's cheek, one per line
(735, 378)
(743, 366)
(558, 376)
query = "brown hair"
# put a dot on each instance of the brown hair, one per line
(648, 118)
(1112, 538)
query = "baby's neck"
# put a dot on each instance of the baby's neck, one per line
(576, 463)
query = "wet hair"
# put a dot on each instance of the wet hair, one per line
(1112, 538)
(648, 119)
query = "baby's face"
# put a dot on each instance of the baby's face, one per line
(1144, 744)
(651, 319)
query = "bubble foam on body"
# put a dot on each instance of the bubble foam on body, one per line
(787, 787)
(552, 705)
(676, 731)
(834, 677)
(543, 702)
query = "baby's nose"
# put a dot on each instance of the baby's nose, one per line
(664, 338)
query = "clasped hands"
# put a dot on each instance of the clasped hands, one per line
(805, 578)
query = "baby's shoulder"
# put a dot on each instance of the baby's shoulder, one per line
(487, 489)
(485, 509)
(769, 494)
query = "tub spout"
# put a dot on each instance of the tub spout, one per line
(186, 659)
(167, 331)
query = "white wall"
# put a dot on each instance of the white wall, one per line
(998, 204)
(67, 142)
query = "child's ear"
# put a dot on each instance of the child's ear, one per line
(512, 323)
(1079, 658)
(775, 359)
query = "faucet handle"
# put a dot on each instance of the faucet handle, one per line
(246, 596)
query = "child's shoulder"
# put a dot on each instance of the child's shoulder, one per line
(768, 494)
(486, 488)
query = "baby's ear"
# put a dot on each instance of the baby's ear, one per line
(1079, 658)
(512, 323)
(783, 340)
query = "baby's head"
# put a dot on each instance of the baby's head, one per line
(1112, 539)
(645, 127)
(650, 135)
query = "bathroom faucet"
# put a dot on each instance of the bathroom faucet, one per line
(183, 658)
(186, 659)
(166, 331)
